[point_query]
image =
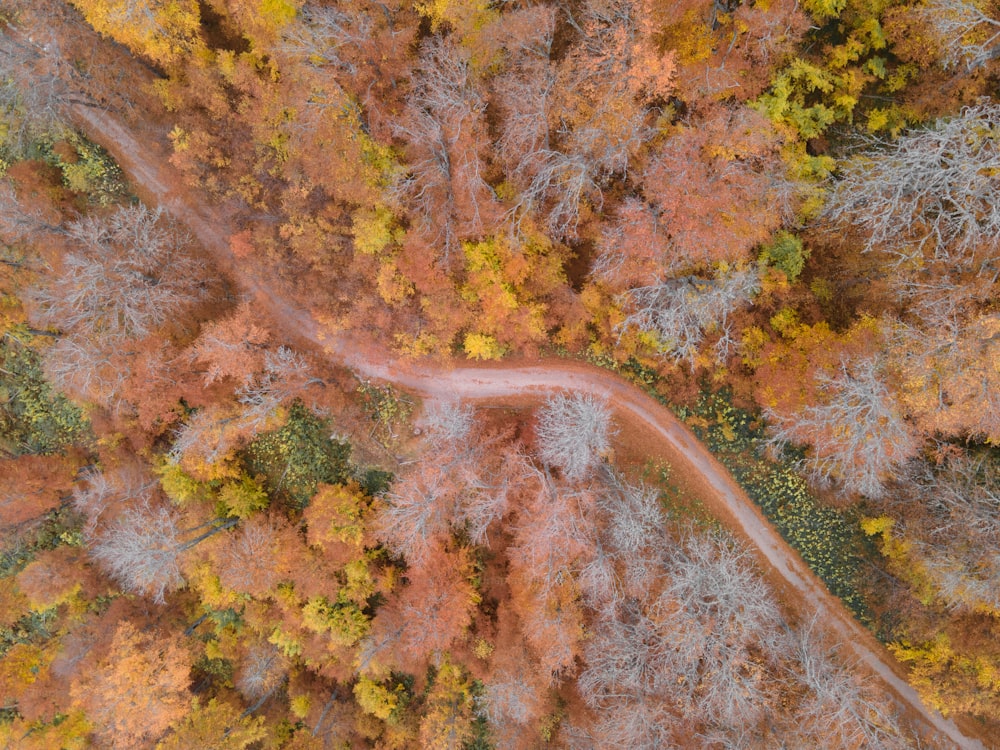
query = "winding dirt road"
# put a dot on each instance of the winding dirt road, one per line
(159, 184)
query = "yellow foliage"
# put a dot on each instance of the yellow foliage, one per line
(376, 699)
(752, 341)
(165, 31)
(335, 515)
(289, 645)
(300, 706)
(203, 580)
(393, 287)
(481, 346)
(464, 16)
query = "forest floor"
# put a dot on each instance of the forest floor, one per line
(644, 425)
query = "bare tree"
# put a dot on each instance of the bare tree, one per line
(958, 537)
(634, 532)
(968, 35)
(930, 195)
(141, 551)
(700, 647)
(858, 434)
(680, 312)
(142, 548)
(447, 424)
(574, 433)
(838, 705)
(445, 129)
(32, 99)
(463, 481)
(126, 275)
(260, 672)
(285, 376)
(419, 511)
(318, 34)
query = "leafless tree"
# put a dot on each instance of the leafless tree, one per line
(78, 365)
(700, 647)
(634, 532)
(930, 195)
(957, 538)
(554, 532)
(444, 127)
(210, 433)
(447, 424)
(97, 492)
(17, 220)
(525, 89)
(142, 548)
(126, 275)
(858, 434)
(318, 33)
(680, 312)
(141, 551)
(285, 376)
(32, 100)
(838, 705)
(968, 35)
(419, 511)
(574, 433)
(246, 561)
(260, 672)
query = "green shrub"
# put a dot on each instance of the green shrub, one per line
(34, 418)
(294, 459)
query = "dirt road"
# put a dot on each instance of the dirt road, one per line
(159, 184)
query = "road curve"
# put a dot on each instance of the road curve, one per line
(159, 184)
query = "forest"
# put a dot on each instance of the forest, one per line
(266, 264)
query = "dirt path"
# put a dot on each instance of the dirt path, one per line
(159, 184)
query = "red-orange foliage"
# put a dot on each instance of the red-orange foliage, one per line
(233, 347)
(714, 191)
(136, 689)
(428, 615)
(56, 575)
(31, 486)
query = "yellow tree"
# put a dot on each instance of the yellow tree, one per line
(447, 725)
(165, 31)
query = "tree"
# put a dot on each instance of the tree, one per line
(31, 486)
(215, 725)
(142, 548)
(952, 540)
(838, 705)
(126, 274)
(927, 199)
(136, 690)
(714, 191)
(426, 617)
(261, 671)
(948, 384)
(693, 653)
(513, 694)
(464, 482)
(444, 127)
(680, 312)
(447, 722)
(232, 347)
(598, 104)
(573, 433)
(32, 101)
(248, 561)
(858, 434)
(967, 34)
(166, 31)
